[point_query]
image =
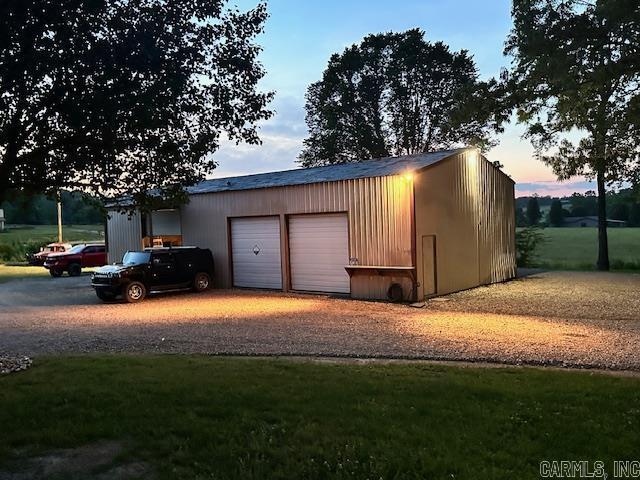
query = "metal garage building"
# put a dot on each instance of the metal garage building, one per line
(433, 223)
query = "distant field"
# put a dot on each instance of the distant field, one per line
(49, 233)
(577, 248)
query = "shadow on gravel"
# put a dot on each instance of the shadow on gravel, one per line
(98, 461)
(527, 272)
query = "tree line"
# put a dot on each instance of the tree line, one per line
(77, 209)
(622, 205)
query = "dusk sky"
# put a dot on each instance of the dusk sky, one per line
(300, 36)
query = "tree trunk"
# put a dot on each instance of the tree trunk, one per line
(603, 243)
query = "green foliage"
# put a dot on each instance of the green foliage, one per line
(634, 215)
(528, 240)
(6, 252)
(17, 251)
(583, 205)
(396, 94)
(576, 68)
(556, 214)
(620, 211)
(521, 218)
(77, 209)
(258, 419)
(121, 97)
(533, 212)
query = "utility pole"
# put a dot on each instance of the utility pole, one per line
(59, 218)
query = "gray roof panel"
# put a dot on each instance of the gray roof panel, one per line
(345, 171)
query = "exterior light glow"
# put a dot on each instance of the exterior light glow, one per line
(408, 176)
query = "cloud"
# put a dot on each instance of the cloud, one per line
(281, 137)
(288, 118)
(554, 189)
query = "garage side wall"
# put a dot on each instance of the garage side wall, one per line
(468, 206)
(497, 231)
(124, 233)
(378, 209)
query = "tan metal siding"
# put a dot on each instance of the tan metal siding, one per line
(464, 201)
(378, 211)
(468, 205)
(496, 241)
(376, 286)
(124, 233)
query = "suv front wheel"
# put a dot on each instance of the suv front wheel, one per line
(135, 292)
(201, 282)
(75, 270)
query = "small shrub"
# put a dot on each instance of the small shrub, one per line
(527, 241)
(18, 251)
(6, 252)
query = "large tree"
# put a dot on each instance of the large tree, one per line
(576, 81)
(395, 94)
(556, 214)
(123, 96)
(533, 211)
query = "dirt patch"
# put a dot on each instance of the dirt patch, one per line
(98, 461)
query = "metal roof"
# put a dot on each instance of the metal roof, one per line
(345, 171)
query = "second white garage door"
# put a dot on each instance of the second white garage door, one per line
(255, 252)
(318, 252)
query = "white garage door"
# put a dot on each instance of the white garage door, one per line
(255, 252)
(319, 251)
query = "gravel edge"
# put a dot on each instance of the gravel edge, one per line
(12, 364)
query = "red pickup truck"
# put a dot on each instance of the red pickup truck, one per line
(40, 257)
(77, 258)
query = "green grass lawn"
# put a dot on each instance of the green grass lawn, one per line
(577, 248)
(206, 417)
(49, 233)
(13, 272)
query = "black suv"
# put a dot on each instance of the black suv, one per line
(154, 270)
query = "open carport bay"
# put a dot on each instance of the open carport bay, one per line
(561, 318)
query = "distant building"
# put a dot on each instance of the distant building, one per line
(591, 221)
(1, 220)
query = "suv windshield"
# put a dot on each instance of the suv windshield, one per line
(136, 258)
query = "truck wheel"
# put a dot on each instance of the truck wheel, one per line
(135, 292)
(55, 273)
(75, 270)
(202, 282)
(105, 296)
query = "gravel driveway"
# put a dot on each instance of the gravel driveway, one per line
(559, 318)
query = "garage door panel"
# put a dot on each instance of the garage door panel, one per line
(255, 251)
(318, 252)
